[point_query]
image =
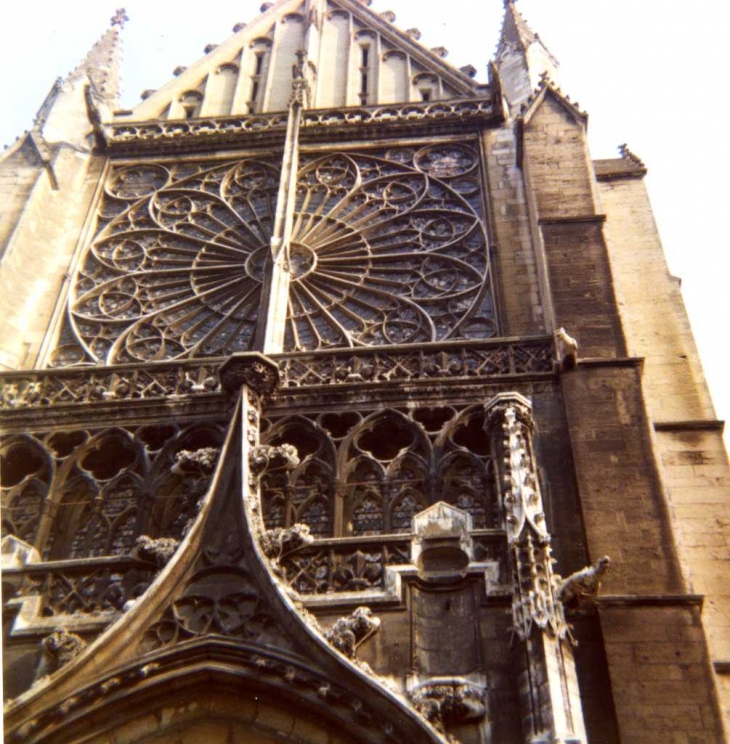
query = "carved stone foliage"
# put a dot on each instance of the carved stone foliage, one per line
(91, 493)
(449, 701)
(387, 247)
(157, 550)
(386, 466)
(348, 633)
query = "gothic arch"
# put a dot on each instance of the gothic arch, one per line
(465, 473)
(26, 471)
(384, 466)
(96, 498)
(177, 491)
(305, 494)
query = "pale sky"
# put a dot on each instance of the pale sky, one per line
(649, 73)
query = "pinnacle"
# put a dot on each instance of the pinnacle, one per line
(102, 63)
(515, 29)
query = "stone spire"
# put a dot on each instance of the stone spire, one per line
(522, 58)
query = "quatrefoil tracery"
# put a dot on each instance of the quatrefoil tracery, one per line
(386, 248)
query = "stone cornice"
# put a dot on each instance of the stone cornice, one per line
(125, 138)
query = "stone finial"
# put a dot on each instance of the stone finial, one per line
(388, 15)
(119, 18)
(239, 27)
(209, 48)
(414, 33)
(266, 6)
(440, 51)
(145, 94)
(179, 70)
(469, 70)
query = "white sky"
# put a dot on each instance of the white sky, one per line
(649, 73)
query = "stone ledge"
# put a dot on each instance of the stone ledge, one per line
(650, 600)
(577, 219)
(690, 425)
(611, 362)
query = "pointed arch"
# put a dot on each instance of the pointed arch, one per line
(384, 468)
(305, 494)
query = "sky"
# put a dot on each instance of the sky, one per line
(648, 73)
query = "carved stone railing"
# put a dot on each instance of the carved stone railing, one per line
(120, 134)
(88, 589)
(357, 564)
(344, 565)
(467, 360)
(461, 359)
(53, 387)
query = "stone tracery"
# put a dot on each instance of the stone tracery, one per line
(388, 247)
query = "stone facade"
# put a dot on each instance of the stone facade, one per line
(349, 399)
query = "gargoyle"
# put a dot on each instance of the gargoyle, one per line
(566, 349)
(59, 648)
(582, 586)
(348, 633)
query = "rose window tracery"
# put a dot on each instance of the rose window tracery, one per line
(387, 247)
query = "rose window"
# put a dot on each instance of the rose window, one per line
(386, 248)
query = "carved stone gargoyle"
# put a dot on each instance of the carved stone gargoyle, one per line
(59, 648)
(582, 587)
(566, 350)
(348, 633)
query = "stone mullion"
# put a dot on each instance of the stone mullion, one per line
(550, 701)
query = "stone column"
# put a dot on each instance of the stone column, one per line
(550, 700)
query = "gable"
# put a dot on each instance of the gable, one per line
(355, 57)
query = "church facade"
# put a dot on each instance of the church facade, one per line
(348, 399)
